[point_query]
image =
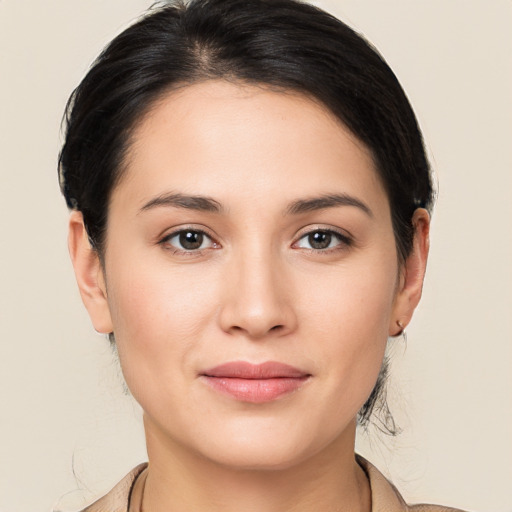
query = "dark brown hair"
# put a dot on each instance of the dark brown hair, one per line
(282, 44)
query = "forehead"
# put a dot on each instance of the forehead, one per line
(232, 141)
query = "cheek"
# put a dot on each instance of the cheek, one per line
(159, 315)
(146, 298)
(349, 321)
(355, 301)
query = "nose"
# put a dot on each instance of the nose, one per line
(258, 298)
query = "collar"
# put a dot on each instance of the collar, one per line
(385, 496)
(125, 496)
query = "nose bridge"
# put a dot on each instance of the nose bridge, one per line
(257, 299)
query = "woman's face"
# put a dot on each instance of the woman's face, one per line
(250, 227)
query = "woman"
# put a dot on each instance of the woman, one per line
(250, 216)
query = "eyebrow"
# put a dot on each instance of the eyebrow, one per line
(208, 204)
(176, 200)
(326, 201)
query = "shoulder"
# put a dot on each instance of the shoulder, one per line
(117, 500)
(432, 508)
(385, 496)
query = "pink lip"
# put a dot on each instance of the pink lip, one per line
(255, 383)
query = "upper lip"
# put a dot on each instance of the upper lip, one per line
(246, 370)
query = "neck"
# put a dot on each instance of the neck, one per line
(179, 479)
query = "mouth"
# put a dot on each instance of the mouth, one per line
(255, 383)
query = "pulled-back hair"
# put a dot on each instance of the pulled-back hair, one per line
(281, 44)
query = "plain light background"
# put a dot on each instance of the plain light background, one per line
(67, 430)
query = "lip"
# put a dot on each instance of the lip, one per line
(255, 383)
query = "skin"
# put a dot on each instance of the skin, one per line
(256, 291)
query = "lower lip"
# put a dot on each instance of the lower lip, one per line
(256, 391)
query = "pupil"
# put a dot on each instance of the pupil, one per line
(320, 240)
(191, 240)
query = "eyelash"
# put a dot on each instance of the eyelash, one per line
(344, 240)
(165, 241)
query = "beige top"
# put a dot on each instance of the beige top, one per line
(126, 496)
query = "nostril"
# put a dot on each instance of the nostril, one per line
(276, 327)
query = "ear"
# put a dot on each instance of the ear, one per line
(412, 273)
(89, 274)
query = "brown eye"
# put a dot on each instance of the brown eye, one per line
(322, 239)
(189, 240)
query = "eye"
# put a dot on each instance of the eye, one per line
(188, 240)
(322, 239)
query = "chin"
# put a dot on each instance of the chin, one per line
(254, 456)
(265, 446)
